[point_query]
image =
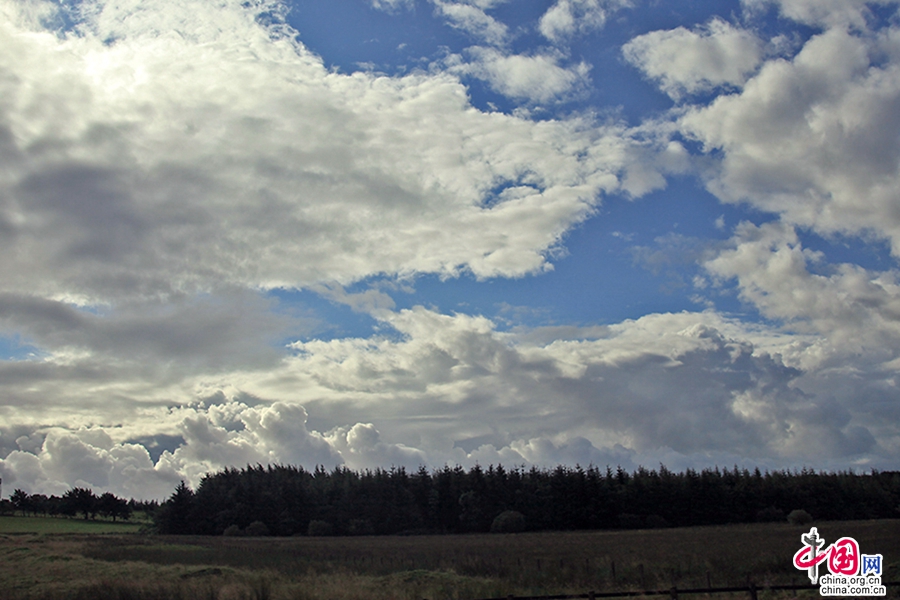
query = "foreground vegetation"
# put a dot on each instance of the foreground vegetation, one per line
(285, 501)
(447, 567)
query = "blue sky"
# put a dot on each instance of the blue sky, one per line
(406, 232)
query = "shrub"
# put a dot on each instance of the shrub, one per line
(509, 521)
(319, 528)
(257, 529)
(799, 517)
(233, 531)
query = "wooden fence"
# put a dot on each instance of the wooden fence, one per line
(674, 592)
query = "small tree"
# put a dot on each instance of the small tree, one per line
(81, 500)
(176, 514)
(799, 517)
(21, 500)
(257, 529)
(109, 505)
(509, 521)
(39, 504)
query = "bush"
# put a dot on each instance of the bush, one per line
(799, 517)
(509, 521)
(319, 528)
(257, 529)
(233, 531)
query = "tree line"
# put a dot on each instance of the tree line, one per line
(289, 500)
(81, 502)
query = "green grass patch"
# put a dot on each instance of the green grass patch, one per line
(10, 524)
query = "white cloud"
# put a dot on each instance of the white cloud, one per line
(124, 158)
(855, 311)
(471, 18)
(687, 62)
(390, 5)
(691, 389)
(664, 380)
(361, 448)
(65, 460)
(169, 156)
(832, 13)
(537, 78)
(812, 139)
(567, 18)
(849, 323)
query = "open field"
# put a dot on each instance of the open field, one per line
(417, 567)
(62, 525)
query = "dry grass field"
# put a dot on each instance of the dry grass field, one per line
(100, 566)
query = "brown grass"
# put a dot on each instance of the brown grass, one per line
(413, 568)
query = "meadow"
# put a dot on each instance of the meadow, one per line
(450, 567)
(63, 525)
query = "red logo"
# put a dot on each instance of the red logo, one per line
(842, 555)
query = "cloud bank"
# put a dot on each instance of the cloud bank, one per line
(166, 165)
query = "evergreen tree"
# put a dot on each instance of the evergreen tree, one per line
(80, 500)
(176, 514)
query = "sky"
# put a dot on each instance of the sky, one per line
(385, 233)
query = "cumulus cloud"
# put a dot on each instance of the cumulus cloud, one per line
(839, 13)
(390, 5)
(137, 165)
(361, 448)
(567, 18)
(162, 166)
(772, 270)
(537, 78)
(811, 139)
(687, 62)
(87, 458)
(691, 389)
(471, 18)
(706, 390)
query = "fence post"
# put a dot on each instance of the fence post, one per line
(673, 593)
(643, 583)
(752, 591)
(612, 569)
